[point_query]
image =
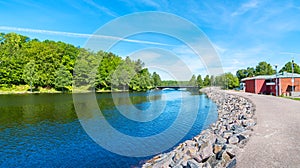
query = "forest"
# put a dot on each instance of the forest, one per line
(51, 65)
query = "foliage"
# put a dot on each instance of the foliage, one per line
(156, 79)
(288, 68)
(264, 68)
(199, 81)
(174, 83)
(193, 81)
(227, 81)
(30, 75)
(206, 81)
(63, 78)
(141, 81)
(49, 64)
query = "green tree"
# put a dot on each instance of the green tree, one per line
(12, 58)
(141, 81)
(123, 74)
(263, 68)
(288, 68)
(86, 69)
(231, 81)
(242, 73)
(108, 64)
(192, 81)
(250, 72)
(199, 81)
(156, 79)
(63, 78)
(227, 81)
(29, 74)
(206, 81)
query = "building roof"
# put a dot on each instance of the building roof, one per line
(279, 75)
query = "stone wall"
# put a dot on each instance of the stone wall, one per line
(217, 145)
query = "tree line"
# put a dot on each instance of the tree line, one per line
(51, 64)
(226, 81)
(264, 68)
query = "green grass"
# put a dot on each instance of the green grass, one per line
(19, 89)
(25, 89)
(298, 99)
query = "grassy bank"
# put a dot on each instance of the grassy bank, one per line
(25, 89)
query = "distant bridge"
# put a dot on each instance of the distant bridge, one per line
(177, 87)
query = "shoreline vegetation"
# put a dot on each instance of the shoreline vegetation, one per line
(49, 66)
(216, 146)
(29, 65)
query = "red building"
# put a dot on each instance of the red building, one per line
(266, 84)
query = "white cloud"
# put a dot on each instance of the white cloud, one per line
(150, 3)
(101, 8)
(78, 35)
(245, 7)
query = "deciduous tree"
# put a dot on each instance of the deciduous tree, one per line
(29, 74)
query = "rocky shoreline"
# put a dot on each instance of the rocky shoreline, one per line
(217, 145)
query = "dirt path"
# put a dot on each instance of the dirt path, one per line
(276, 138)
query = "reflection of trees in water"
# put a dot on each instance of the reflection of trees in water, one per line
(109, 101)
(32, 109)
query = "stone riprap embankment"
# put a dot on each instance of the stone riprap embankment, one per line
(217, 145)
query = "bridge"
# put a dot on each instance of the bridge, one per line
(177, 87)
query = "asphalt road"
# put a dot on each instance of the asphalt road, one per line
(276, 138)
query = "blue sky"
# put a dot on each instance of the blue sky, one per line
(243, 32)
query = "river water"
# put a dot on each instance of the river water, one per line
(43, 130)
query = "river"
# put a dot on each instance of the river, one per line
(43, 130)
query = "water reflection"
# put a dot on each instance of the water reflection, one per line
(43, 129)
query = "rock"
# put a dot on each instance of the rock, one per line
(219, 155)
(220, 140)
(237, 128)
(217, 148)
(197, 158)
(241, 137)
(226, 159)
(178, 166)
(231, 164)
(206, 165)
(191, 151)
(249, 123)
(190, 143)
(233, 140)
(213, 161)
(177, 156)
(193, 164)
(227, 134)
(217, 145)
(206, 150)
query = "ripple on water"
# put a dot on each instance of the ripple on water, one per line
(43, 130)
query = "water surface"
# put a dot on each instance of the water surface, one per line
(42, 130)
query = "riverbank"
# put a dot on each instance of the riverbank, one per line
(216, 146)
(25, 89)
